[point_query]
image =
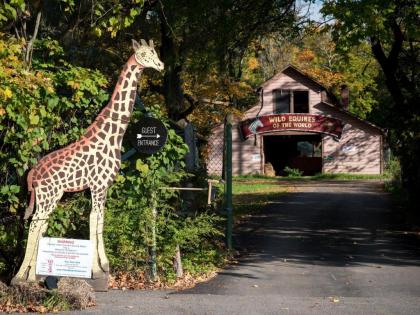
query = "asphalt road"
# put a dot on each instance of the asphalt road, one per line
(325, 248)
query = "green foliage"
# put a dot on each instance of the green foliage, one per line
(292, 172)
(137, 191)
(9, 10)
(360, 20)
(316, 55)
(391, 30)
(100, 17)
(393, 169)
(56, 301)
(40, 111)
(71, 218)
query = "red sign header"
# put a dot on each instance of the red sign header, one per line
(292, 122)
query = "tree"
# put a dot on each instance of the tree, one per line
(74, 23)
(201, 39)
(314, 52)
(391, 30)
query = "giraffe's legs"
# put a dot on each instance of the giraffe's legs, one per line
(45, 205)
(100, 261)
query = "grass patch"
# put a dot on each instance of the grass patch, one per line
(320, 176)
(256, 177)
(349, 176)
(252, 196)
(250, 187)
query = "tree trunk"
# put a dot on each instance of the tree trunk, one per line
(405, 99)
(178, 263)
(172, 83)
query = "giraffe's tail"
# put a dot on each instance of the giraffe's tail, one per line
(30, 208)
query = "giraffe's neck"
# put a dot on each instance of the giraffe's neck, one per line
(114, 118)
(122, 100)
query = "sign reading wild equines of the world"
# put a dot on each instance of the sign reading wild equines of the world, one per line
(149, 135)
(64, 257)
(292, 122)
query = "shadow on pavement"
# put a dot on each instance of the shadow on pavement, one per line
(332, 226)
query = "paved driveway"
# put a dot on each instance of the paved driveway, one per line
(325, 248)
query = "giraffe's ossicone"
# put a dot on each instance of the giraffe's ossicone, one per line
(92, 162)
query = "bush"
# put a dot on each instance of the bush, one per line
(394, 185)
(40, 111)
(130, 216)
(292, 172)
(138, 201)
(393, 169)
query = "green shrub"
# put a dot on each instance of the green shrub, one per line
(129, 218)
(292, 172)
(393, 169)
(40, 110)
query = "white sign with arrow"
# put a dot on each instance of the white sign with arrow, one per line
(139, 136)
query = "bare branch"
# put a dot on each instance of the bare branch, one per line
(30, 45)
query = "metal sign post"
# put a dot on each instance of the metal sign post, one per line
(228, 178)
(153, 265)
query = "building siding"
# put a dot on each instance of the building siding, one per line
(358, 151)
(286, 82)
(243, 152)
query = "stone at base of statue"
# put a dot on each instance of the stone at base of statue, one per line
(99, 284)
(269, 170)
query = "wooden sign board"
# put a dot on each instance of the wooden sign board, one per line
(292, 122)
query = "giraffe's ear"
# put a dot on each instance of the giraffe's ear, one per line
(136, 45)
(151, 43)
(143, 42)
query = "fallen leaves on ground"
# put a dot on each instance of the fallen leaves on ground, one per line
(139, 281)
(72, 294)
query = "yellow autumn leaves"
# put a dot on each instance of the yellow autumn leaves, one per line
(5, 94)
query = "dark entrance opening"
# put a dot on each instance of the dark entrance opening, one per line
(301, 152)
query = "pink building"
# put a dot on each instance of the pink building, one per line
(299, 124)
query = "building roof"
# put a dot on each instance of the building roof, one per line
(344, 111)
(291, 68)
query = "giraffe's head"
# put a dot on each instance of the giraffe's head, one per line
(146, 55)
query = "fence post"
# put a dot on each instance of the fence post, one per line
(153, 264)
(228, 179)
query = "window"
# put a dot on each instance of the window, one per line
(289, 101)
(281, 101)
(301, 101)
(309, 148)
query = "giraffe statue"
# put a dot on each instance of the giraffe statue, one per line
(92, 162)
